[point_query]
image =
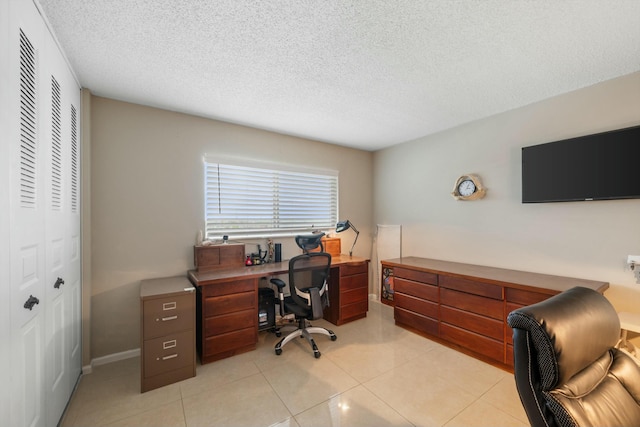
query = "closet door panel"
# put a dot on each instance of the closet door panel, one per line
(40, 117)
(5, 264)
(27, 248)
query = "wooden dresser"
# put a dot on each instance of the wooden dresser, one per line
(167, 307)
(466, 305)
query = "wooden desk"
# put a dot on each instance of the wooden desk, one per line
(628, 322)
(465, 306)
(227, 303)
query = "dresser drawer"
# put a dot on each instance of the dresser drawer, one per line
(416, 289)
(417, 276)
(471, 286)
(417, 305)
(472, 303)
(168, 353)
(214, 306)
(479, 324)
(162, 316)
(416, 321)
(215, 325)
(523, 297)
(477, 343)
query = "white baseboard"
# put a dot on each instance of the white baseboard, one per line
(110, 358)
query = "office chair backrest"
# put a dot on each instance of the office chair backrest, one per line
(306, 272)
(567, 369)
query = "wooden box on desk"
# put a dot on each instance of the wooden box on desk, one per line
(331, 245)
(208, 258)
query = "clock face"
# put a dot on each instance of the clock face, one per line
(466, 188)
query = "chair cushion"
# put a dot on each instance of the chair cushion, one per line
(299, 311)
(569, 332)
(606, 393)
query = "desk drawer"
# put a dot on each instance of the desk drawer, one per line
(232, 287)
(354, 295)
(354, 282)
(168, 353)
(358, 309)
(216, 325)
(231, 341)
(163, 316)
(214, 306)
(354, 268)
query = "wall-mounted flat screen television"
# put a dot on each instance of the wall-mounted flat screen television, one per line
(602, 166)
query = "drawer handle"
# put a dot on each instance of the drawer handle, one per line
(169, 306)
(171, 356)
(168, 344)
(165, 319)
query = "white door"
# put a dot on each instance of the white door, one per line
(62, 235)
(26, 210)
(44, 255)
(54, 134)
(5, 286)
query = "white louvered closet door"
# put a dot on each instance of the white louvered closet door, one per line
(42, 115)
(61, 97)
(5, 285)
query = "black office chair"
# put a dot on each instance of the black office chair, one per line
(309, 292)
(567, 370)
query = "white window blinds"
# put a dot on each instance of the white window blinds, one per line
(247, 201)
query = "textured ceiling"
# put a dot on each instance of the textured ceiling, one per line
(366, 74)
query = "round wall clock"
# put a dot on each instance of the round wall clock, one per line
(468, 187)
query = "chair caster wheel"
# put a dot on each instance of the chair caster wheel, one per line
(278, 334)
(278, 351)
(334, 337)
(316, 354)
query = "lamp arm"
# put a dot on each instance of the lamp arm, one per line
(354, 240)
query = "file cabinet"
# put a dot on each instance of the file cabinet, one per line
(167, 307)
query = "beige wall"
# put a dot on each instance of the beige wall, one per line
(146, 197)
(413, 181)
(147, 201)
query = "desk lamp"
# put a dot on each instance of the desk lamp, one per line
(345, 225)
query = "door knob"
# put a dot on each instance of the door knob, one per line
(31, 302)
(58, 283)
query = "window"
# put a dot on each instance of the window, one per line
(253, 202)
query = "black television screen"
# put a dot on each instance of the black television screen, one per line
(594, 167)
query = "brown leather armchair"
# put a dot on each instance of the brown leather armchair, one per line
(567, 369)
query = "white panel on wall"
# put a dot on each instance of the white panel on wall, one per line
(387, 245)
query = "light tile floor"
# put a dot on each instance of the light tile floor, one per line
(375, 374)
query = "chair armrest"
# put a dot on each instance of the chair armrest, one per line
(279, 284)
